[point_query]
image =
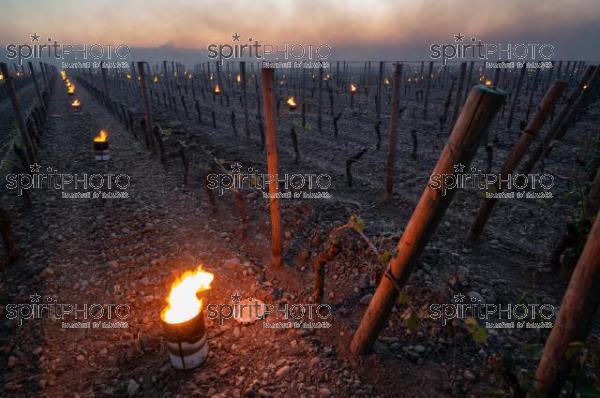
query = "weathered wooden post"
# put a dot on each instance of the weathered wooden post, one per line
(532, 92)
(574, 318)
(389, 181)
(459, 91)
(12, 94)
(515, 95)
(566, 110)
(44, 76)
(36, 85)
(378, 101)
(146, 104)
(426, 100)
(104, 84)
(244, 97)
(320, 109)
(6, 234)
(469, 130)
(469, 78)
(272, 163)
(517, 152)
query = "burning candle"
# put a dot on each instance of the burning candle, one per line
(71, 89)
(352, 88)
(63, 75)
(238, 78)
(291, 103)
(128, 76)
(386, 81)
(217, 89)
(488, 82)
(155, 79)
(1, 77)
(76, 104)
(101, 146)
(183, 321)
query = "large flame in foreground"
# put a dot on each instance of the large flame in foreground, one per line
(183, 302)
(101, 137)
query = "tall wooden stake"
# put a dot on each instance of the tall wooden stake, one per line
(146, 103)
(518, 150)
(389, 180)
(574, 318)
(244, 97)
(36, 85)
(471, 126)
(272, 163)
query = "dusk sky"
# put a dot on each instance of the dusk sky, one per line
(355, 29)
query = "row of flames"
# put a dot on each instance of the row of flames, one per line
(76, 103)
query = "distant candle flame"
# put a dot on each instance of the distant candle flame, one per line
(1, 76)
(63, 75)
(386, 81)
(183, 302)
(128, 76)
(217, 89)
(291, 103)
(71, 89)
(101, 137)
(488, 82)
(352, 88)
(238, 78)
(155, 79)
(585, 86)
(76, 103)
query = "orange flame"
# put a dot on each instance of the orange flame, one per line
(70, 89)
(217, 89)
(291, 103)
(488, 82)
(352, 88)
(63, 75)
(101, 137)
(128, 76)
(155, 80)
(238, 78)
(76, 103)
(1, 76)
(183, 303)
(386, 81)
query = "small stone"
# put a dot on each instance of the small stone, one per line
(232, 263)
(468, 375)
(12, 362)
(283, 370)
(324, 392)
(132, 387)
(419, 349)
(366, 299)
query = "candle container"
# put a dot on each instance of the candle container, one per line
(101, 151)
(186, 342)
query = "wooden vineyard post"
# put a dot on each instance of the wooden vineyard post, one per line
(568, 108)
(389, 179)
(36, 85)
(104, 84)
(244, 97)
(12, 94)
(515, 96)
(427, 89)
(379, 81)
(146, 104)
(7, 237)
(517, 152)
(44, 76)
(459, 90)
(320, 110)
(272, 166)
(469, 130)
(469, 78)
(574, 318)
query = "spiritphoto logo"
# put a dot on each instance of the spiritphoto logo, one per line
(495, 185)
(495, 315)
(475, 49)
(73, 186)
(283, 316)
(264, 51)
(53, 50)
(71, 315)
(292, 185)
